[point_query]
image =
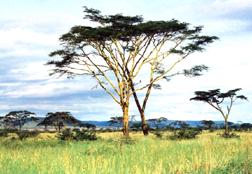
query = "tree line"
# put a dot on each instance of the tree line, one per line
(58, 120)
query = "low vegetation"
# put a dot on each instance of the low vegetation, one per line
(113, 153)
(77, 134)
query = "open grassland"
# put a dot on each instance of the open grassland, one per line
(111, 154)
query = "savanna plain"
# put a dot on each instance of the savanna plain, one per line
(112, 153)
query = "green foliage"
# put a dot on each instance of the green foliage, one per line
(208, 124)
(66, 134)
(184, 134)
(219, 101)
(246, 127)
(229, 135)
(77, 134)
(136, 126)
(17, 118)
(27, 134)
(3, 133)
(84, 134)
(59, 120)
(158, 134)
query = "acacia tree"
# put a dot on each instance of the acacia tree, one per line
(216, 99)
(116, 121)
(18, 118)
(118, 48)
(158, 122)
(59, 119)
(208, 124)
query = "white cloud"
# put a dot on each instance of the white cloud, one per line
(31, 71)
(25, 42)
(226, 6)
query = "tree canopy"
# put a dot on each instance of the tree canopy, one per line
(59, 119)
(117, 48)
(18, 118)
(217, 99)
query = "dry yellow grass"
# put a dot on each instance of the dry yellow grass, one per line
(149, 155)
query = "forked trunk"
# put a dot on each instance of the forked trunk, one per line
(140, 109)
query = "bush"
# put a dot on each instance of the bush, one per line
(77, 134)
(229, 135)
(66, 134)
(158, 134)
(27, 134)
(185, 134)
(84, 134)
(3, 133)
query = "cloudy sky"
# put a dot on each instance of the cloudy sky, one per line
(29, 31)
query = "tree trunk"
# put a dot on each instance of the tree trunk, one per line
(125, 109)
(20, 125)
(59, 127)
(226, 127)
(145, 128)
(140, 109)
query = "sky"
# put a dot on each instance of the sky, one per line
(29, 31)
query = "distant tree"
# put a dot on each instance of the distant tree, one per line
(246, 126)
(136, 126)
(208, 124)
(216, 99)
(157, 122)
(87, 125)
(18, 118)
(59, 120)
(182, 130)
(118, 48)
(116, 122)
(179, 124)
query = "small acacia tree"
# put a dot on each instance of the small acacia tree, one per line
(216, 99)
(158, 122)
(116, 121)
(18, 118)
(208, 124)
(118, 48)
(59, 119)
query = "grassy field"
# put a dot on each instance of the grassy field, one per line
(148, 155)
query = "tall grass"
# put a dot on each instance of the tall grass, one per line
(207, 154)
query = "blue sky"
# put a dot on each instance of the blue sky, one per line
(29, 31)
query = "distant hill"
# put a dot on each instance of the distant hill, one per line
(106, 124)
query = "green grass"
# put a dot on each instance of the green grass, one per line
(149, 155)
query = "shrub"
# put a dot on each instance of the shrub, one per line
(3, 133)
(185, 134)
(158, 134)
(27, 134)
(66, 134)
(77, 134)
(229, 135)
(84, 134)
